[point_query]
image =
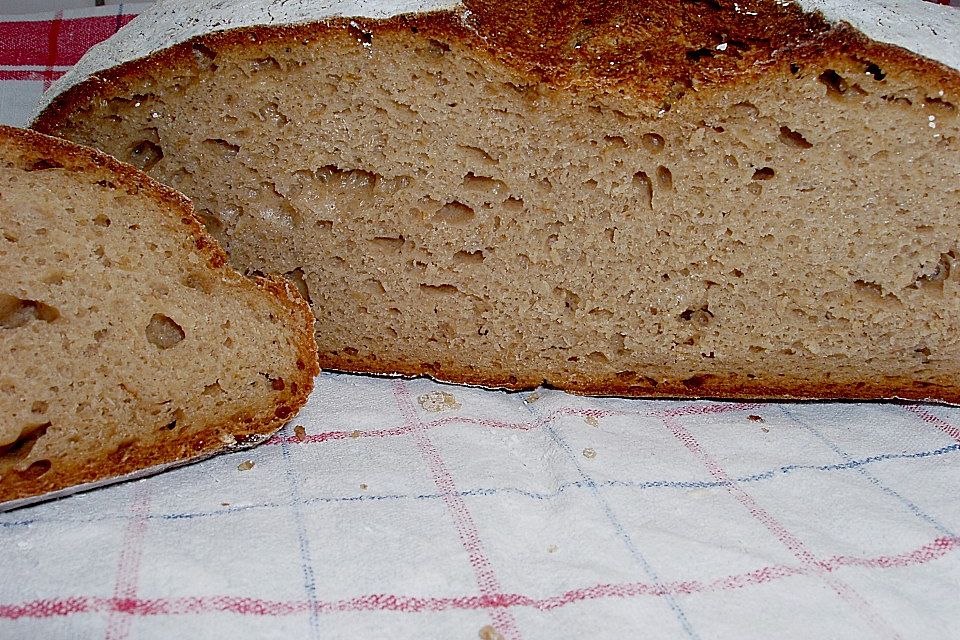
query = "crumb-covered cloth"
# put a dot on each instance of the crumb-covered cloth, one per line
(409, 509)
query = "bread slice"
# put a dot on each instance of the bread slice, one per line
(126, 344)
(709, 198)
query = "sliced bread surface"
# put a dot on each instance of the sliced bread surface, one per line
(733, 199)
(126, 343)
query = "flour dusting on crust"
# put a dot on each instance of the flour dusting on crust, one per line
(927, 29)
(930, 30)
(170, 22)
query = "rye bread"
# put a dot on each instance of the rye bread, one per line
(732, 199)
(127, 345)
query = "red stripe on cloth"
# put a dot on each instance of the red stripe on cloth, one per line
(128, 567)
(53, 36)
(466, 528)
(411, 604)
(708, 409)
(37, 76)
(58, 42)
(847, 594)
(949, 429)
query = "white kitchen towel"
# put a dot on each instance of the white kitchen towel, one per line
(409, 509)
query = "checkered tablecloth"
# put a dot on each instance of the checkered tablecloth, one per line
(410, 509)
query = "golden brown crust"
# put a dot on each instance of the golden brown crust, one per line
(35, 147)
(649, 53)
(705, 386)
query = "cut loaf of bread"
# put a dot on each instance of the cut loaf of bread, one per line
(703, 198)
(126, 344)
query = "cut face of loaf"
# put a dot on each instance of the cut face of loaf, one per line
(126, 344)
(713, 199)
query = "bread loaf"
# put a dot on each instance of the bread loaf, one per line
(702, 198)
(126, 344)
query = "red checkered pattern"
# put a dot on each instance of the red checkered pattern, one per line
(417, 510)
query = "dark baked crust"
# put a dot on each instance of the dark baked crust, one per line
(646, 56)
(291, 307)
(648, 53)
(780, 386)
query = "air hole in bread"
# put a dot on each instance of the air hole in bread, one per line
(571, 301)
(212, 223)
(483, 184)
(204, 56)
(653, 142)
(21, 447)
(271, 113)
(455, 213)
(641, 182)
(35, 470)
(744, 111)
(901, 100)
(221, 148)
(511, 205)
(145, 155)
(873, 292)
(940, 104)
(697, 381)
(875, 71)
(44, 165)
(836, 84)
(476, 154)
(695, 55)
(260, 65)
(371, 286)
(163, 332)
(664, 178)
(212, 389)
(793, 138)
(764, 173)
(615, 143)
(438, 46)
(101, 221)
(296, 278)
(16, 312)
(699, 317)
(101, 253)
(468, 257)
(934, 273)
(388, 244)
(438, 289)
